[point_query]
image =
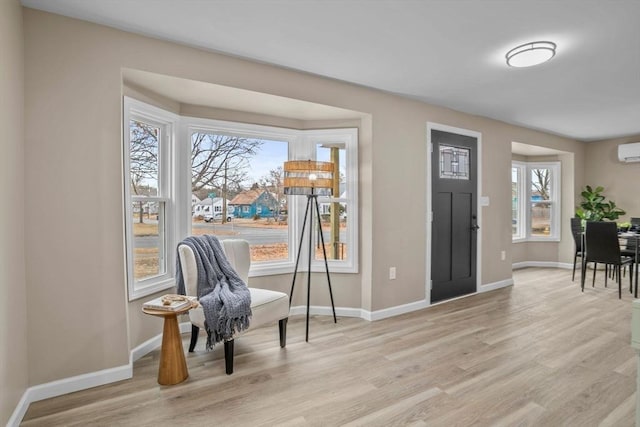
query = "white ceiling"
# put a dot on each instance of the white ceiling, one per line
(448, 53)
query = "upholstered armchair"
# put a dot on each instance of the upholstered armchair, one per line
(266, 306)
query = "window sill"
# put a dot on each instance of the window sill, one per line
(537, 239)
(151, 288)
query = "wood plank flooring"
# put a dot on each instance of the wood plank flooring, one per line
(540, 353)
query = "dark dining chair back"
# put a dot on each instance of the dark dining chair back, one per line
(576, 231)
(602, 242)
(602, 246)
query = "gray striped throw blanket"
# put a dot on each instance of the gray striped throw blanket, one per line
(223, 295)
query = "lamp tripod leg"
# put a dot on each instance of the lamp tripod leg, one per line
(326, 264)
(309, 207)
(295, 270)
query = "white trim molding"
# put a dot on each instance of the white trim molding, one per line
(68, 385)
(495, 285)
(541, 264)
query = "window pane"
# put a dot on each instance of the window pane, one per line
(148, 239)
(333, 215)
(515, 201)
(540, 218)
(143, 158)
(454, 162)
(243, 177)
(540, 184)
(334, 232)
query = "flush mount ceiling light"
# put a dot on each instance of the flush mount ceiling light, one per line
(530, 54)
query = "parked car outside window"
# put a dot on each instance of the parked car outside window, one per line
(216, 217)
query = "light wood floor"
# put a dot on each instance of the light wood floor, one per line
(540, 353)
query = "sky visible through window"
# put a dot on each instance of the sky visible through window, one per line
(270, 155)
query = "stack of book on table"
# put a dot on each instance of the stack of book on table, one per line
(170, 302)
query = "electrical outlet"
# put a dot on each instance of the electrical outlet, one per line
(503, 255)
(392, 273)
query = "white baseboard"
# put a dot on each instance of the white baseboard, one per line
(79, 382)
(396, 310)
(326, 311)
(541, 264)
(66, 386)
(145, 348)
(495, 285)
(19, 412)
(391, 311)
(85, 381)
(361, 313)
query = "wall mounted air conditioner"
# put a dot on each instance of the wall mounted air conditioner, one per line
(629, 153)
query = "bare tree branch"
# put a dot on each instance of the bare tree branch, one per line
(210, 152)
(541, 182)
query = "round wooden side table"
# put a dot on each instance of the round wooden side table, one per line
(173, 366)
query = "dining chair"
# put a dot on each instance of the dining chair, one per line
(602, 246)
(576, 231)
(630, 248)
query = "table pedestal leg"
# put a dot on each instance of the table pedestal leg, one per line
(173, 366)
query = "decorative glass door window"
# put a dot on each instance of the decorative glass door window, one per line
(454, 162)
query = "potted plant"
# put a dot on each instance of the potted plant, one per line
(595, 207)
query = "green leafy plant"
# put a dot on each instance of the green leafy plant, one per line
(624, 226)
(595, 207)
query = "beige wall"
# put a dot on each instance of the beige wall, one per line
(76, 257)
(618, 179)
(13, 297)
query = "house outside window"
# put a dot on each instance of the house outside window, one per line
(536, 199)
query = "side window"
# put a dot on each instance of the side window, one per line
(339, 213)
(518, 195)
(150, 222)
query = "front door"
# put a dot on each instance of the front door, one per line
(455, 221)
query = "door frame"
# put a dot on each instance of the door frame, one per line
(429, 212)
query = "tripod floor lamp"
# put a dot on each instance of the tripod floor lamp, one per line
(312, 179)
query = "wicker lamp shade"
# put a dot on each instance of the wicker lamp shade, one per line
(303, 177)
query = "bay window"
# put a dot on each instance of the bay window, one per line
(190, 176)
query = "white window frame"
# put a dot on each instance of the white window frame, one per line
(521, 233)
(524, 204)
(136, 110)
(302, 145)
(348, 138)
